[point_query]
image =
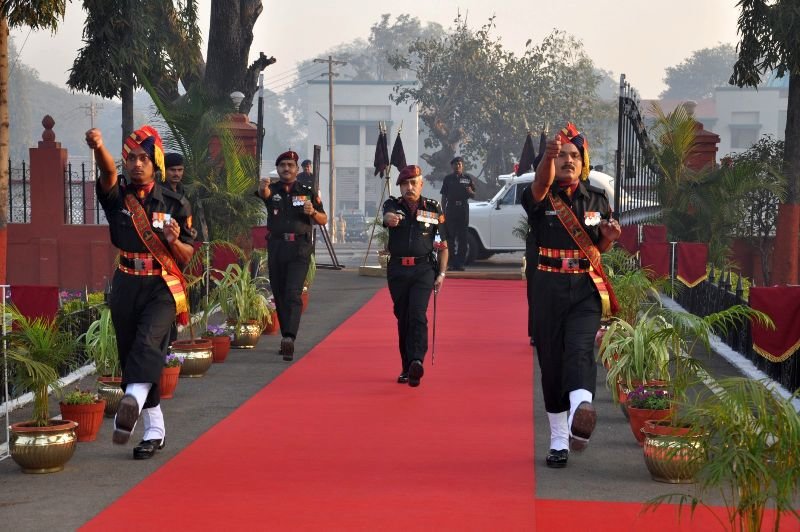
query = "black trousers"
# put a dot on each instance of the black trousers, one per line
(531, 263)
(288, 265)
(143, 312)
(457, 223)
(567, 314)
(411, 287)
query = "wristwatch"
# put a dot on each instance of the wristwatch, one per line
(442, 274)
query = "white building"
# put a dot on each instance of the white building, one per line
(358, 107)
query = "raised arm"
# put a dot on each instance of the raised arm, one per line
(105, 162)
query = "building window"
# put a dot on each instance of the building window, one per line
(346, 186)
(348, 135)
(743, 138)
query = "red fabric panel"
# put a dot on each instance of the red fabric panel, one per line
(655, 256)
(629, 239)
(654, 233)
(259, 235)
(782, 304)
(692, 260)
(35, 301)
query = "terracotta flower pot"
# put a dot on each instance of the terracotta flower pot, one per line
(221, 345)
(169, 381)
(274, 326)
(304, 299)
(88, 417)
(637, 417)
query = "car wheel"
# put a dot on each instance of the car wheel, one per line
(473, 247)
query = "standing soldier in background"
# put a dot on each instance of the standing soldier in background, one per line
(174, 166)
(306, 177)
(151, 226)
(457, 189)
(572, 223)
(292, 209)
(413, 272)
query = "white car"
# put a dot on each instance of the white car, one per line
(491, 223)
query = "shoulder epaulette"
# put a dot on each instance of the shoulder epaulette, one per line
(593, 188)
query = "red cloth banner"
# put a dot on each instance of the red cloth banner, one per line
(258, 233)
(655, 256)
(654, 233)
(692, 259)
(629, 239)
(782, 304)
(35, 301)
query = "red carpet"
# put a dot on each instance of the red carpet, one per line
(335, 444)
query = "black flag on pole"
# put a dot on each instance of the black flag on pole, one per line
(381, 155)
(527, 156)
(398, 158)
(542, 147)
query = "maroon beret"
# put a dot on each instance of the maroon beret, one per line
(409, 172)
(287, 155)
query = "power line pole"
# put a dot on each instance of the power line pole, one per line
(331, 137)
(92, 111)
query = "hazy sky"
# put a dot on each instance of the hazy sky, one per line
(637, 37)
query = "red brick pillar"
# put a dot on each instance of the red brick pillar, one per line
(244, 133)
(704, 151)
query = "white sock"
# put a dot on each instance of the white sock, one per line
(559, 431)
(139, 390)
(576, 397)
(153, 419)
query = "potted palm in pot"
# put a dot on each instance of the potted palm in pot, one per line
(100, 343)
(37, 349)
(242, 299)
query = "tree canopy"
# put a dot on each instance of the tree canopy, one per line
(696, 77)
(479, 99)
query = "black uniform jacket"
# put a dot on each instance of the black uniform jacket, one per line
(160, 200)
(285, 209)
(414, 236)
(587, 201)
(454, 192)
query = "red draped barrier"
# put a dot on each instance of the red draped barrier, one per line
(692, 259)
(654, 233)
(629, 239)
(259, 235)
(36, 301)
(655, 256)
(782, 304)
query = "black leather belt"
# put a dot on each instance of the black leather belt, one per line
(410, 261)
(289, 237)
(564, 264)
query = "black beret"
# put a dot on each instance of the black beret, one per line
(173, 159)
(457, 159)
(305, 162)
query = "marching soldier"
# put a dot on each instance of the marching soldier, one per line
(572, 226)
(413, 271)
(151, 226)
(456, 191)
(292, 210)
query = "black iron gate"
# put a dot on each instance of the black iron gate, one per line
(635, 198)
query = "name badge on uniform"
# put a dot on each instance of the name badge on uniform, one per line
(276, 197)
(550, 213)
(299, 201)
(465, 181)
(591, 218)
(427, 217)
(160, 219)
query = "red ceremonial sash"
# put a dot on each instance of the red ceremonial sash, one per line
(169, 268)
(584, 242)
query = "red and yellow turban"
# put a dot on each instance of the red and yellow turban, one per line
(571, 134)
(149, 140)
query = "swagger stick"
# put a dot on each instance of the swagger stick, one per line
(433, 341)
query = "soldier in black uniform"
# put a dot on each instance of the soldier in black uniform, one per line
(306, 177)
(292, 210)
(173, 162)
(143, 306)
(413, 272)
(456, 191)
(568, 301)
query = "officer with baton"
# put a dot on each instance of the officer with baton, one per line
(413, 271)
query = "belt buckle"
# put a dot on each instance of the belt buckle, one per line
(570, 264)
(289, 237)
(141, 265)
(407, 261)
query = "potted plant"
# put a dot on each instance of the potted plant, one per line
(272, 326)
(38, 348)
(169, 376)
(311, 274)
(100, 343)
(85, 408)
(647, 403)
(220, 341)
(242, 299)
(751, 437)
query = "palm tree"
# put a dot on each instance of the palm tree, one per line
(36, 14)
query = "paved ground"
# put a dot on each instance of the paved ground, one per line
(612, 469)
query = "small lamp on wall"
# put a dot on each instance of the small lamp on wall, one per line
(236, 98)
